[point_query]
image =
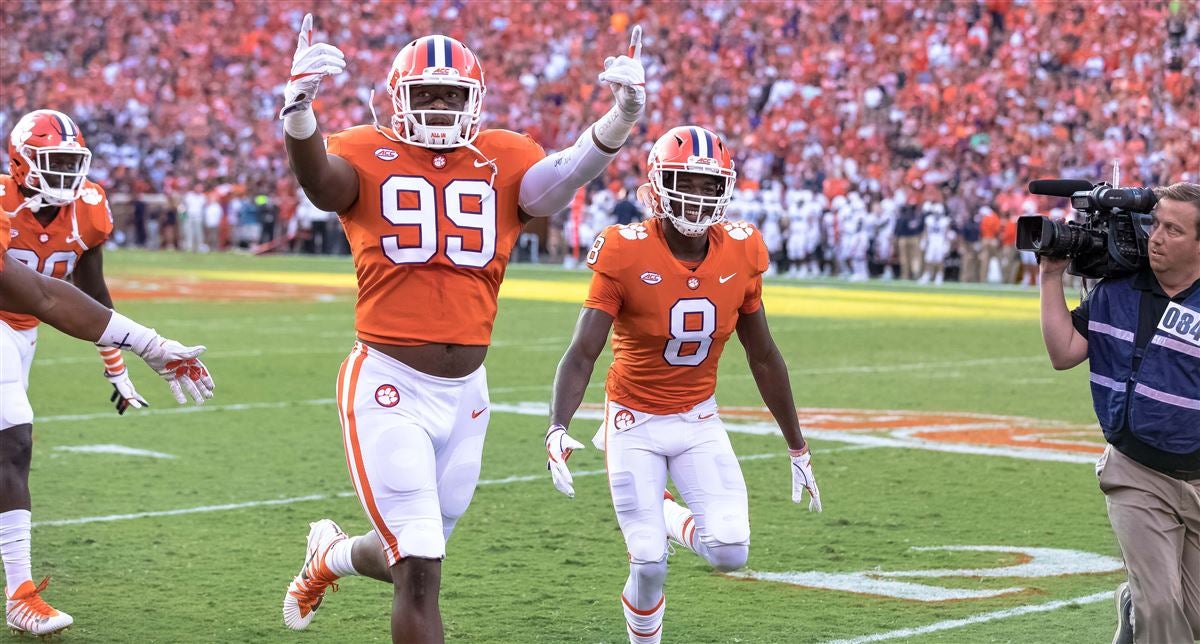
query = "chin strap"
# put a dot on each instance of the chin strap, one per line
(75, 236)
(36, 203)
(375, 119)
(491, 163)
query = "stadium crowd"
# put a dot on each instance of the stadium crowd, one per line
(900, 109)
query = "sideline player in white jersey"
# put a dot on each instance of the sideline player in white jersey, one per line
(936, 242)
(884, 234)
(432, 208)
(673, 290)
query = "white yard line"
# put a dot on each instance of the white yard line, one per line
(312, 497)
(978, 619)
(109, 448)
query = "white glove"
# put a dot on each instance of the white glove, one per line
(627, 78)
(559, 447)
(181, 368)
(124, 395)
(310, 64)
(803, 479)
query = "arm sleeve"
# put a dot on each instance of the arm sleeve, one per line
(549, 186)
(605, 294)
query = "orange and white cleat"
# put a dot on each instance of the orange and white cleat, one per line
(307, 589)
(681, 528)
(27, 612)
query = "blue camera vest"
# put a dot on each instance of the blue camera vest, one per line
(1161, 401)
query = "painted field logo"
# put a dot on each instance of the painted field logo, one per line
(956, 432)
(1023, 563)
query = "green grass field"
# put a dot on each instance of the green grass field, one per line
(527, 564)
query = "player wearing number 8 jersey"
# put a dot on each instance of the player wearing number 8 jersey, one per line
(432, 207)
(673, 290)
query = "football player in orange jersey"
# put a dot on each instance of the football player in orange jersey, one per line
(432, 207)
(53, 221)
(673, 289)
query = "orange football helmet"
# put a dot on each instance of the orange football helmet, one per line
(436, 60)
(694, 150)
(47, 154)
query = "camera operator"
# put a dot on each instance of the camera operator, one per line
(1140, 336)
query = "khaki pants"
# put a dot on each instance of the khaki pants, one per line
(969, 256)
(910, 257)
(1157, 523)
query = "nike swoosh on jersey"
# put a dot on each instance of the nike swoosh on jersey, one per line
(475, 414)
(726, 278)
(481, 164)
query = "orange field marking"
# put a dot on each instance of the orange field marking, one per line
(179, 288)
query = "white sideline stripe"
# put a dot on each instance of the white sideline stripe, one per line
(311, 497)
(978, 619)
(109, 448)
(155, 411)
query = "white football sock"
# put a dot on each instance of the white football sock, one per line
(644, 602)
(339, 559)
(14, 548)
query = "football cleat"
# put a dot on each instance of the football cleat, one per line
(27, 612)
(307, 589)
(681, 528)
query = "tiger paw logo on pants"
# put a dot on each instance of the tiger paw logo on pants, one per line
(387, 396)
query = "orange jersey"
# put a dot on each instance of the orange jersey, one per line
(671, 322)
(52, 250)
(5, 235)
(430, 238)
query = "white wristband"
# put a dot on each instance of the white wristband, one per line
(614, 127)
(300, 124)
(123, 333)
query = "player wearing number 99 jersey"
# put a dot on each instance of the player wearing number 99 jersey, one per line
(673, 290)
(432, 207)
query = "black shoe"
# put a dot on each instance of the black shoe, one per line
(1124, 600)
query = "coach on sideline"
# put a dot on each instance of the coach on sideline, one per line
(1141, 337)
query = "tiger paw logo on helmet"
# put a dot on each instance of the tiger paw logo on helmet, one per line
(739, 230)
(633, 231)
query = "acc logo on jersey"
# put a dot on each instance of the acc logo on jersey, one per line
(623, 419)
(633, 231)
(386, 154)
(90, 196)
(387, 396)
(739, 230)
(651, 278)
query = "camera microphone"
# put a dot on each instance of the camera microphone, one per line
(1059, 187)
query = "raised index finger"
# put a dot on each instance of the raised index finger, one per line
(635, 43)
(305, 38)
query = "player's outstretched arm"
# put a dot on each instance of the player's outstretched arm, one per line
(550, 184)
(69, 310)
(328, 180)
(771, 376)
(55, 302)
(570, 383)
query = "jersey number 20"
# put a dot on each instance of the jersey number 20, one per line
(425, 216)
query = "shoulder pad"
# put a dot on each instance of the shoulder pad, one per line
(615, 248)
